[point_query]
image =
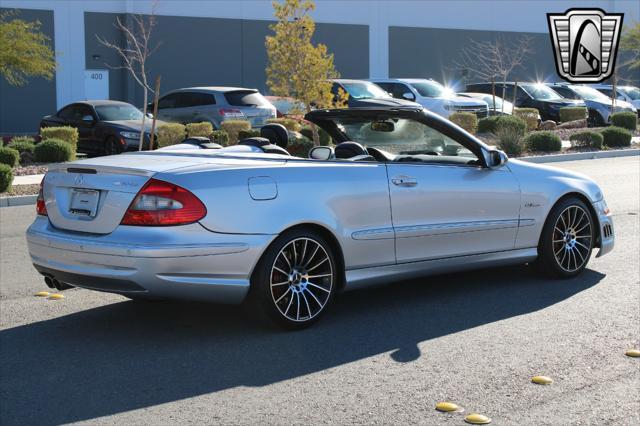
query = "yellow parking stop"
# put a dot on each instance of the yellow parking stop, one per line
(448, 407)
(542, 380)
(477, 419)
(635, 353)
(56, 296)
(42, 294)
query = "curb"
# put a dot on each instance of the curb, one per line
(20, 200)
(581, 156)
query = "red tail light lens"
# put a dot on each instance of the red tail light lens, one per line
(161, 203)
(41, 207)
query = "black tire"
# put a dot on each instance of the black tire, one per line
(111, 146)
(281, 285)
(595, 119)
(567, 239)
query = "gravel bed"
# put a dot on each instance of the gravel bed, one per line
(31, 169)
(21, 190)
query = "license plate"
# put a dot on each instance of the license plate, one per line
(84, 202)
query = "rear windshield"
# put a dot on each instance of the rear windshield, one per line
(246, 98)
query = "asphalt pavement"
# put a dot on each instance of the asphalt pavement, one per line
(385, 355)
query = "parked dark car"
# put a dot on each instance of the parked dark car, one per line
(367, 94)
(530, 95)
(104, 127)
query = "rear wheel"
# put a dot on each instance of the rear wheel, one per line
(567, 239)
(296, 279)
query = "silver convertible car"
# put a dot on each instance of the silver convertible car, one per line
(404, 193)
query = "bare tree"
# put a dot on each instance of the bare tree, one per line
(495, 59)
(134, 53)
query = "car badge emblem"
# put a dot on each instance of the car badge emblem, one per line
(79, 180)
(585, 43)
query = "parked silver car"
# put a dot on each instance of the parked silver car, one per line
(288, 233)
(214, 105)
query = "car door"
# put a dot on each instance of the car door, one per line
(444, 208)
(73, 115)
(168, 107)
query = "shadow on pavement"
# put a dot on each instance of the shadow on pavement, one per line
(131, 355)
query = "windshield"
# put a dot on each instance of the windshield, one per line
(409, 140)
(431, 89)
(118, 112)
(589, 94)
(365, 90)
(632, 92)
(541, 92)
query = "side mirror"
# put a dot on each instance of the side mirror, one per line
(321, 153)
(149, 115)
(409, 96)
(87, 119)
(495, 158)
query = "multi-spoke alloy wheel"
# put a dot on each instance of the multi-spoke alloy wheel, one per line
(572, 236)
(296, 279)
(301, 279)
(567, 239)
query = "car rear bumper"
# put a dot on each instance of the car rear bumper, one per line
(187, 262)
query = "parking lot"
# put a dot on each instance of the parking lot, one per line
(385, 355)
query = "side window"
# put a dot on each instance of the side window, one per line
(386, 87)
(168, 101)
(189, 99)
(67, 112)
(507, 95)
(75, 112)
(607, 92)
(565, 93)
(83, 111)
(399, 89)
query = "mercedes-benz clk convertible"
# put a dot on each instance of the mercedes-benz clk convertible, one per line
(404, 194)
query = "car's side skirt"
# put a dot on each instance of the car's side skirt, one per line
(358, 278)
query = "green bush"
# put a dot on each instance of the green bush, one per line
(22, 145)
(529, 115)
(233, 127)
(299, 147)
(626, 120)
(54, 151)
(170, 134)
(22, 139)
(325, 139)
(6, 177)
(65, 133)
(510, 141)
(616, 137)
(587, 139)
(203, 129)
(9, 156)
(495, 123)
(543, 141)
(220, 137)
(466, 120)
(251, 133)
(291, 124)
(573, 113)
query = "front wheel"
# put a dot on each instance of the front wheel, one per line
(296, 279)
(567, 239)
(111, 146)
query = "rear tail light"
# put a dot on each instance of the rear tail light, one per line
(161, 203)
(230, 112)
(41, 208)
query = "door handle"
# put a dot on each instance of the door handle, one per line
(404, 181)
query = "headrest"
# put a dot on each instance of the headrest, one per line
(196, 140)
(349, 149)
(255, 141)
(276, 133)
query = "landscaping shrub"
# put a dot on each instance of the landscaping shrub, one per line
(54, 151)
(543, 141)
(65, 133)
(495, 123)
(170, 134)
(466, 120)
(573, 113)
(233, 127)
(529, 115)
(6, 177)
(587, 139)
(251, 133)
(291, 124)
(199, 129)
(299, 147)
(25, 147)
(220, 137)
(510, 141)
(325, 139)
(626, 120)
(616, 136)
(9, 156)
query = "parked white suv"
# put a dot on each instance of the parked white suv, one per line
(432, 95)
(629, 94)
